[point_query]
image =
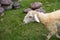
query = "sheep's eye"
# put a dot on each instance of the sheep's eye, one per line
(30, 16)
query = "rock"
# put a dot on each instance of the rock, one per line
(1, 11)
(6, 2)
(0, 5)
(16, 0)
(40, 10)
(27, 10)
(35, 5)
(16, 5)
(7, 7)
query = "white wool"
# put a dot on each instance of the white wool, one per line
(48, 19)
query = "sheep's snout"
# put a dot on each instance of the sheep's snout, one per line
(24, 22)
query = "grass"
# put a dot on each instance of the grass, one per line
(12, 27)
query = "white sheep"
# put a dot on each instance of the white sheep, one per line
(50, 20)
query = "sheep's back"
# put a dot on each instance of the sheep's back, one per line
(54, 15)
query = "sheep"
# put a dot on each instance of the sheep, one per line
(50, 20)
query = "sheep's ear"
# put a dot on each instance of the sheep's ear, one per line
(36, 18)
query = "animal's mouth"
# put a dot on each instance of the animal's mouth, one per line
(25, 22)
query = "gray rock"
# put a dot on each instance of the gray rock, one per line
(1, 10)
(16, 5)
(16, 0)
(35, 5)
(27, 10)
(40, 10)
(7, 7)
(0, 5)
(6, 2)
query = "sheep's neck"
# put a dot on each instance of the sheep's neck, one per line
(42, 17)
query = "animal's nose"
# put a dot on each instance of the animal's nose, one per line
(24, 22)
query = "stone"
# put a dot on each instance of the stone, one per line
(16, 0)
(35, 5)
(40, 10)
(0, 5)
(27, 10)
(16, 5)
(7, 7)
(6, 2)
(1, 11)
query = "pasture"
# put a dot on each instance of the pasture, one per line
(12, 27)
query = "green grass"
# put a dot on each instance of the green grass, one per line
(12, 27)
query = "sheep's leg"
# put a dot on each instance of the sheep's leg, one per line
(57, 35)
(53, 30)
(49, 36)
(58, 29)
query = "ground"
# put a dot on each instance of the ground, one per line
(12, 27)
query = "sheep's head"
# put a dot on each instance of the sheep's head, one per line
(31, 16)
